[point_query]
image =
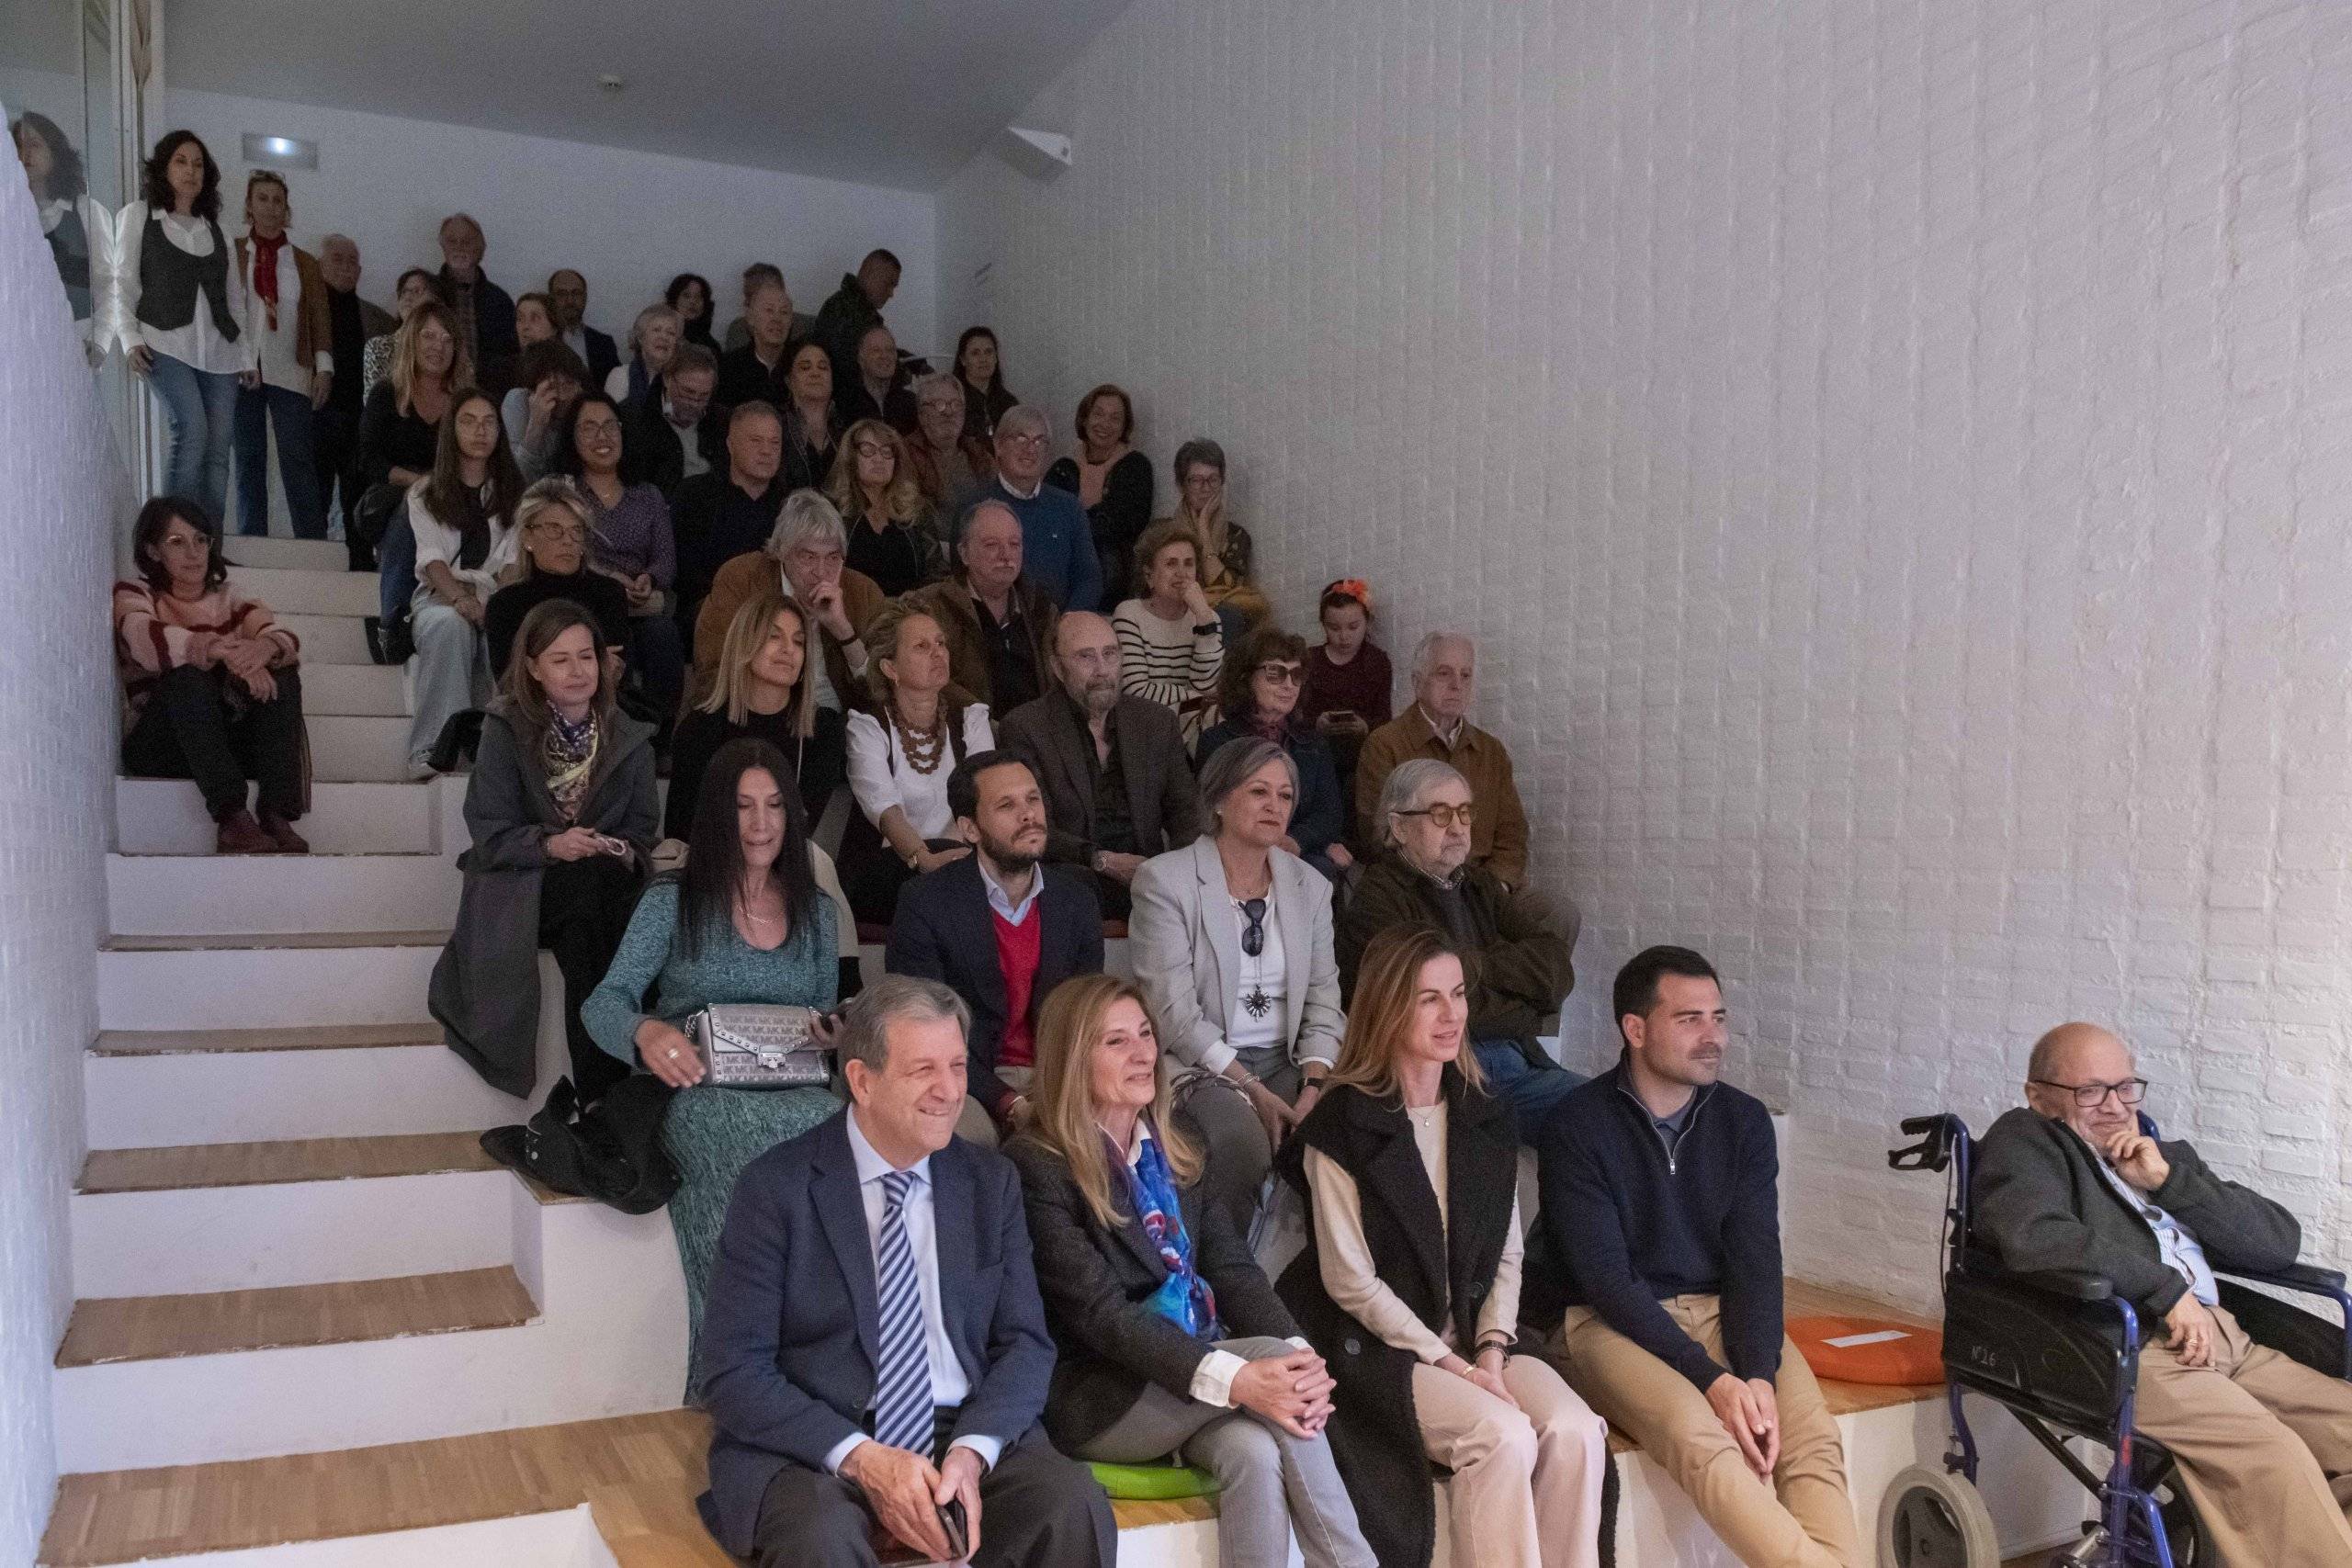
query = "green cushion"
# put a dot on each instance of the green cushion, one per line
(1160, 1483)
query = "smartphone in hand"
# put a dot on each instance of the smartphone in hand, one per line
(952, 1524)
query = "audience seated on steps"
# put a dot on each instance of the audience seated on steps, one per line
(998, 931)
(1172, 645)
(212, 688)
(979, 370)
(893, 538)
(485, 311)
(1233, 944)
(1170, 1340)
(875, 1342)
(549, 378)
(1661, 1211)
(1058, 544)
(903, 745)
(1437, 727)
(551, 562)
(1350, 688)
(462, 515)
(999, 625)
(560, 808)
(727, 512)
(654, 339)
(1521, 950)
(1413, 1265)
(763, 688)
(855, 308)
(567, 295)
(630, 543)
(1228, 560)
(2069, 1181)
(676, 433)
(1259, 696)
(876, 387)
(755, 277)
(952, 467)
(1118, 786)
(812, 433)
(689, 294)
(400, 432)
(1111, 479)
(286, 324)
(744, 921)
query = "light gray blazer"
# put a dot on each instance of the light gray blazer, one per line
(1187, 954)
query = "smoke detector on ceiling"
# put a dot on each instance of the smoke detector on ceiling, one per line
(610, 82)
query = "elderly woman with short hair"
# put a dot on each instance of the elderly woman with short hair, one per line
(1259, 693)
(1110, 478)
(653, 340)
(1233, 941)
(1227, 557)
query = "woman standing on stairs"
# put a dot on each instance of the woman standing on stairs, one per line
(563, 813)
(213, 691)
(463, 517)
(744, 923)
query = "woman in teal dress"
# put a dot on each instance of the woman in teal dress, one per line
(744, 923)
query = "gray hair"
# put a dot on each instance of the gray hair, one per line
(692, 356)
(937, 381)
(1230, 766)
(649, 315)
(807, 518)
(1023, 415)
(1425, 650)
(1408, 785)
(556, 489)
(970, 515)
(866, 1025)
(326, 240)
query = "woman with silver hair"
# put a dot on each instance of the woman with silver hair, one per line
(1233, 942)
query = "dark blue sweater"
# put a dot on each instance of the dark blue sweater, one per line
(1629, 1222)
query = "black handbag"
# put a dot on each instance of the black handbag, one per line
(610, 1151)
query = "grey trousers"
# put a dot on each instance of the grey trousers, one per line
(450, 672)
(1268, 1481)
(1238, 1154)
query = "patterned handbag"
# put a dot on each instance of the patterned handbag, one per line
(759, 1045)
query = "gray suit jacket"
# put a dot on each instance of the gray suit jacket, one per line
(1050, 736)
(1188, 954)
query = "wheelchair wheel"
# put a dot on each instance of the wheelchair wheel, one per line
(1930, 1519)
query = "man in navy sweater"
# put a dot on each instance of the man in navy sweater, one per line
(1056, 541)
(1659, 1201)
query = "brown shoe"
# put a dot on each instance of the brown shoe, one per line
(281, 833)
(241, 835)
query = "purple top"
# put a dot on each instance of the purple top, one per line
(633, 535)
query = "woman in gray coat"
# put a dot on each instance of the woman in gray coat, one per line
(1233, 946)
(562, 812)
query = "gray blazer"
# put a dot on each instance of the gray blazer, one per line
(1188, 954)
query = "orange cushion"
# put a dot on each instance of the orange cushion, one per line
(1917, 1357)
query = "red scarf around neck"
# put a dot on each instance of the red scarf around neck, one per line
(265, 272)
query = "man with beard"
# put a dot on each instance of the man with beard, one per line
(1118, 787)
(997, 931)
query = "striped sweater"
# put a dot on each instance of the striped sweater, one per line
(152, 631)
(1168, 663)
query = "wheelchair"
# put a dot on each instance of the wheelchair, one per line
(2061, 1351)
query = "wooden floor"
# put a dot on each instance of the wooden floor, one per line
(296, 1159)
(142, 1328)
(322, 1037)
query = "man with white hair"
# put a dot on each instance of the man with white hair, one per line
(351, 322)
(1056, 541)
(806, 555)
(1437, 727)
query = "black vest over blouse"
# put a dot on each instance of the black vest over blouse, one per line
(169, 279)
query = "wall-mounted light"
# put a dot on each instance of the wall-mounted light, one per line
(279, 152)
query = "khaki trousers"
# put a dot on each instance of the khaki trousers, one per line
(2265, 1447)
(1526, 1486)
(1804, 1519)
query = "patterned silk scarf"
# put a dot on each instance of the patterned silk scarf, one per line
(570, 753)
(1184, 1298)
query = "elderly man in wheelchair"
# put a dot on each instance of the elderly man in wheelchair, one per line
(2083, 1295)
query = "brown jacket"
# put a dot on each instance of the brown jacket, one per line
(1498, 829)
(314, 333)
(950, 603)
(739, 579)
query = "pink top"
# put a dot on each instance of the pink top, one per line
(152, 630)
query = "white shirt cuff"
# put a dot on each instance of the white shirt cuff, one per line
(988, 1448)
(1213, 1379)
(325, 363)
(842, 1451)
(1215, 1058)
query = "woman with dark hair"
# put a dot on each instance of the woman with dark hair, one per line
(1111, 480)
(689, 295)
(761, 688)
(562, 809)
(1228, 555)
(1260, 702)
(809, 437)
(462, 515)
(534, 320)
(181, 303)
(630, 543)
(53, 171)
(1351, 689)
(212, 688)
(744, 923)
(548, 379)
(893, 531)
(981, 370)
(1413, 1265)
(417, 287)
(551, 562)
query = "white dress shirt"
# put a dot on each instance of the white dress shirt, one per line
(272, 352)
(199, 343)
(949, 1386)
(437, 541)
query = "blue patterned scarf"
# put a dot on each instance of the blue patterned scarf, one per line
(1184, 1298)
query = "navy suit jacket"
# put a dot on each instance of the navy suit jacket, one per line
(942, 931)
(791, 1332)
(603, 355)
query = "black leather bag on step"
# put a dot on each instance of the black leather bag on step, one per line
(611, 1151)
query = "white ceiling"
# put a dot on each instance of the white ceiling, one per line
(884, 92)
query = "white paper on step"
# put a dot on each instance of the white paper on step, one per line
(1847, 1341)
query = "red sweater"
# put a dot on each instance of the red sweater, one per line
(1363, 685)
(1017, 950)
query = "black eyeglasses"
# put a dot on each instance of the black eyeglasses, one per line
(1253, 935)
(2130, 1092)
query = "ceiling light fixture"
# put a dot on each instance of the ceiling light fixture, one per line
(279, 152)
(610, 82)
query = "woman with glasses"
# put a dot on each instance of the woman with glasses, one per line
(551, 562)
(1233, 942)
(1261, 692)
(892, 537)
(1227, 557)
(632, 544)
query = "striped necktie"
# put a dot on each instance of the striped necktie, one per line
(903, 1410)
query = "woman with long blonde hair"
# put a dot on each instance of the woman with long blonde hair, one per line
(1169, 1338)
(760, 687)
(893, 537)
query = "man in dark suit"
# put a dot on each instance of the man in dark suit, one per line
(993, 929)
(677, 436)
(1118, 786)
(874, 1348)
(569, 290)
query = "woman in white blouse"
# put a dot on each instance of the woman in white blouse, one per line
(184, 306)
(901, 752)
(463, 516)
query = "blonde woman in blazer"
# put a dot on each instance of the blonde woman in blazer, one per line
(1233, 946)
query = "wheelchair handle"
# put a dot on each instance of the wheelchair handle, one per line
(1937, 1136)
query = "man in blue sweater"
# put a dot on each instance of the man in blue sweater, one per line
(1056, 541)
(1660, 1199)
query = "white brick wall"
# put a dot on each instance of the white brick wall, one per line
(59, 495)
(1895, 456)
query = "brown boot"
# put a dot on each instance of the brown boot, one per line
(282, 834)
(241, 835)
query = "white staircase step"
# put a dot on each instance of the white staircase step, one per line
(205, 895)
(166, 817)
(276, 554)
(364, 691)
(239, 1096)
(263, 982)
(329, 639)
(308, 593)
(358, 751)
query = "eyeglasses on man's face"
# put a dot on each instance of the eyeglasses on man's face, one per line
(1444, 816)
(2130, 1092)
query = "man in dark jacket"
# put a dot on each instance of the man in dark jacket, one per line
(1423, 877)
(485, 311)
(568, 290)
(678, 436)
(1662, 1220)
(842, 320)
(993, 929)
(2070, 1182)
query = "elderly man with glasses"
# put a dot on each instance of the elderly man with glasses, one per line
(2070, 1182)
(1056, 541)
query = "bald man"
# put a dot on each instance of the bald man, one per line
(1118, 786)
(2265, 1443)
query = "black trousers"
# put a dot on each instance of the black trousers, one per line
(584, 905)
(192, 727)
(1037, 1510)
(335, 454)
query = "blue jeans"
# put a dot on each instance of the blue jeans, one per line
(289, 410)
(396, 568)
(1531, 1092)
(201, 409)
